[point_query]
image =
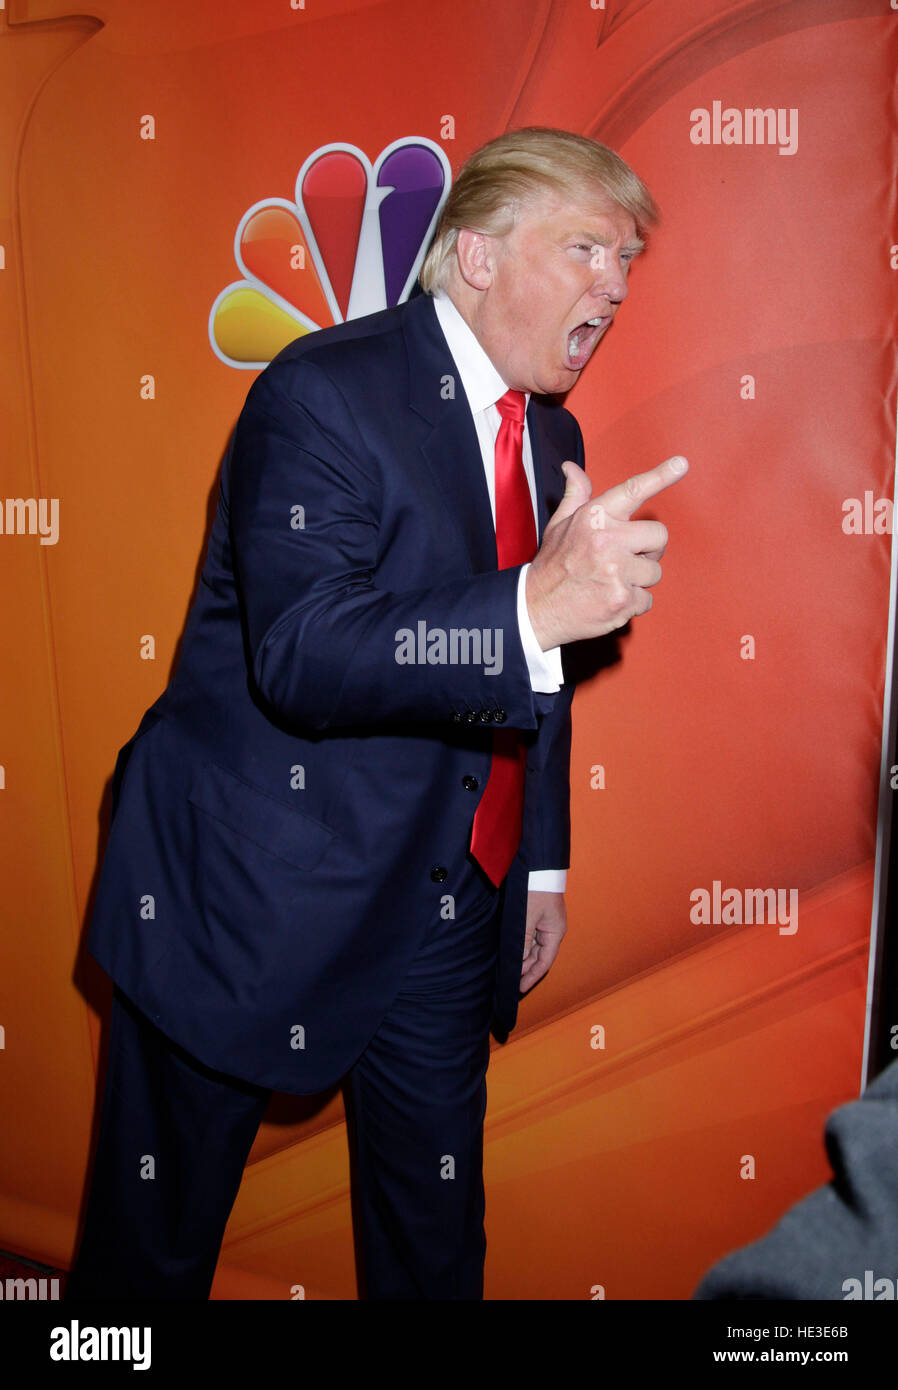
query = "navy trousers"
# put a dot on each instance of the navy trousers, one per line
(175, 1135)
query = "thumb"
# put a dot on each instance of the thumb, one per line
(578, 489)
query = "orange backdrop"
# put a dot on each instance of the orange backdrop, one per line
(756, 341)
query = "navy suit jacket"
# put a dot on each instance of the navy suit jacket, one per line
(280, 812)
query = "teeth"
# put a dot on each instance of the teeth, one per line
(573, 347)
(593, 322)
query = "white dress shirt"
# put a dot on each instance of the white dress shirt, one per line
(483, 386)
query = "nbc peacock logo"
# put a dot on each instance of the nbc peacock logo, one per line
(351, 243)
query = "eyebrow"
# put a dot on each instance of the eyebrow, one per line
(635, 244)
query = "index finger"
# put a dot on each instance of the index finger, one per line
(622, 500)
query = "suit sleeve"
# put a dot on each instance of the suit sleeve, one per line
(549, 837)
(322, 637)
(549, 841)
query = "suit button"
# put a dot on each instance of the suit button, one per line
(469, 716)
(456, 717)
(500, 716)
(485, 716)
(439, 874)
(470, 784)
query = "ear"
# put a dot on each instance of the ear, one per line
(474, 255)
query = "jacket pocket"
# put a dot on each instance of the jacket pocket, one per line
(272, 825)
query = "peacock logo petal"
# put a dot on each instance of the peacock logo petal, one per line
(351, 243)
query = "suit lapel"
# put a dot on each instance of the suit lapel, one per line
(450, 445)
(546, 460)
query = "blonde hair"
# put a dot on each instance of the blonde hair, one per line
(517, 167)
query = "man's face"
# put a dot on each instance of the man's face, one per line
(562, 266)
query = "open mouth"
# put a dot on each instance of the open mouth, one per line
(582, 340)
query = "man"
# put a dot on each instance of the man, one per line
(339, 837)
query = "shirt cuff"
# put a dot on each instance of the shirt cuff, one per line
(546, 675)
(547, 881)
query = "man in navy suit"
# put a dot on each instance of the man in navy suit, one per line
(339, 837)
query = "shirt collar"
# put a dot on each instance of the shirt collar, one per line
(482, 383)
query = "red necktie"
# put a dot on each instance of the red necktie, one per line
(499, 818)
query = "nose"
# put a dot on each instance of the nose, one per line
(611, 281)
